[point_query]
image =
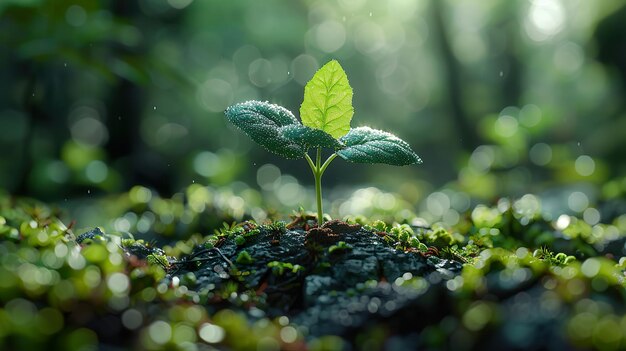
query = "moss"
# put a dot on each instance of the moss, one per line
(189, 279)
(277, 226)
(378, 226)
(439, 237)
(240, 240)
(280, 268)
(339, 247)
(244, 258)
(46, 277)
(157, 259)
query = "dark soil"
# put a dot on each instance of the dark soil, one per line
(342, 292)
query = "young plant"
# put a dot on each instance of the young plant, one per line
(326, 113)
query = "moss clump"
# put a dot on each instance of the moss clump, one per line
(439, 237)
(280, 268)
(244, 257)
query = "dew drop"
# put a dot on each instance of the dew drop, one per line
(154, 108)
(370, 14)
(65, 64)
(88, 191)
(501, 73)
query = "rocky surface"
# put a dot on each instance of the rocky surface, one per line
(338, 290)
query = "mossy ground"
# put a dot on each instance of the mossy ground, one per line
(502, 276)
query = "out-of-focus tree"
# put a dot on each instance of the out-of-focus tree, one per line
(502, 96)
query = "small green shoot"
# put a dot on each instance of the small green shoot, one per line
(240, 240)
(340, 247)
(279, 268)
(326, 113)
(244, 258)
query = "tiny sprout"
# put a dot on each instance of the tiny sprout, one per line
(414, 242)
(379, 226)
(440, 237)
(326, 112)
(240, 240)
(560, 257)
(244, 258)
(422, 247)
(279, 268)
(341, 246)
(404, 237)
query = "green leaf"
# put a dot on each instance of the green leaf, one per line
(262, 121)
(309, 137)
(327, 101)
(367, 145)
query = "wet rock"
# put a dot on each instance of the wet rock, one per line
(339, 227)
(91, 234)
(335, 292)
(321, 237)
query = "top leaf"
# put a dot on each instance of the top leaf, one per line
(367, 145)
(262, 122)
(327, 101)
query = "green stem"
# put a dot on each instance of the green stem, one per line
(311, 164)
(328, 161)
(318, 187)
(318, 170)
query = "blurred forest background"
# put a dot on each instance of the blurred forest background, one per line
(499, 98)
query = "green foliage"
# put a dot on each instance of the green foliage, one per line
(43, 263)
(310, 138)
(280, 268)
(339, 247)
(367, 145)
(378, 225)
(158, 259)
(439, 237)
(244, 257)
(421, 246)
(559, 259)
(403, 232)
(277, 227)
(262, 122)
(189, 279)
(326, 113)
(327, 103)
(240, 240)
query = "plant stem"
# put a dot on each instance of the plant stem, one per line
(318, 187)
(318, 170)
(328, 161)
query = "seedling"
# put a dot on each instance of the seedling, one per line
(341, 246)
(326, 112)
